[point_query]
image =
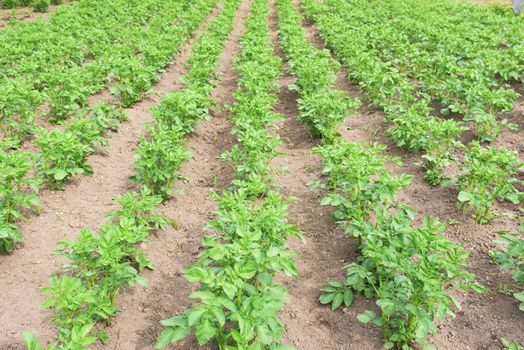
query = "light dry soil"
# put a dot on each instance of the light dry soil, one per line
(85, 203)
(484, 319)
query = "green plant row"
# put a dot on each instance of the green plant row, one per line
(159, 155)
(510, 256)
(412, 271)
(322, 108)
(62, 154)
(84, 297)
(63, 151)
(485, 174)
(459, 60)
(38, 5)
(125, 54)
(463, 56)
(237, 303)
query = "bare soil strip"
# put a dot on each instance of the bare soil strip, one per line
(85, 203)
(484, 320)
(138, 325)
(309, 325)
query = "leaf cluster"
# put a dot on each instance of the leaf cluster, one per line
(237, 303)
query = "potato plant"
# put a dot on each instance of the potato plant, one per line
(321, 109)
(487, 175)
(67, 60)
(424, 71)
(62, 155)
(511, 257)
(402, 265)
(41, 5)
(83, 299)
(238, 300)
(466, 76)
(18, 191)
(159, 158)
(412, 271)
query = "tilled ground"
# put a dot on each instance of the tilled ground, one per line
(484, 319)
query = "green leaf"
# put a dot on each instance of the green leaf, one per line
(337, 301)
(60, 174)
(366, 316)
(519, 296)
(205, 331)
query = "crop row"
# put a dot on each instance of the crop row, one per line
(120, 45)
(63, 151)
(486, 174)
(411, 271)
(101, 264)
(237, 303)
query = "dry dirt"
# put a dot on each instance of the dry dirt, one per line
(484, 320)
(84, 203)
(309, 325)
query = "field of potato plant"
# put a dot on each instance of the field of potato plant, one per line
(261, 174)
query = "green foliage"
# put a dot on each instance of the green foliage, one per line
(418, 64)
(159, 159)
(41, 5)
(18, 190)
(238, 299)
(91, 128)
(411, 270)
(322, 109)
(511, 257)
(237, 304)
(439, 147)
(488, 174)
(121, 45)
(510, 345)
(18, 104)
(9, 4)
(358, 179)
(62, 155)
(326, 111)
(99, 265)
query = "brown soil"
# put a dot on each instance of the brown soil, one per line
(484, 319)
(309, 325)
(85, 203)
(138, 325)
